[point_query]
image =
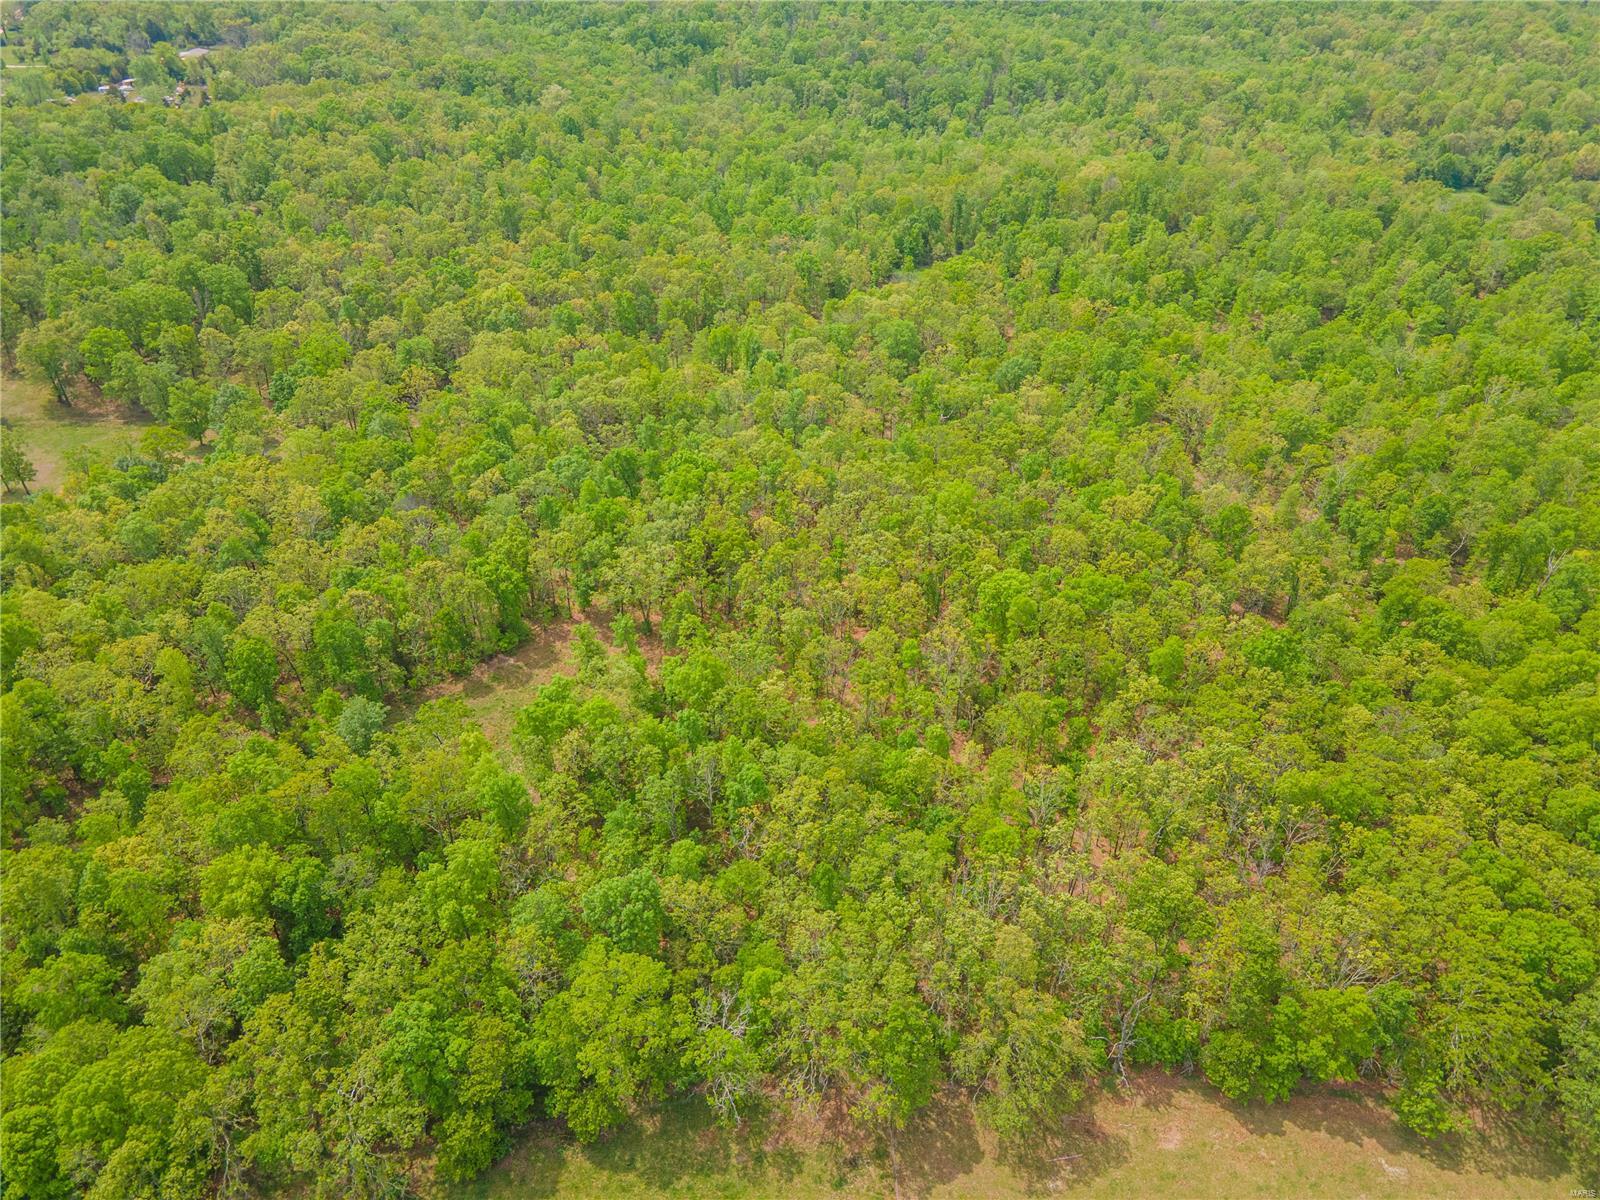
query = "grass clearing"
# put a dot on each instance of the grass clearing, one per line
(53, 431)
(499, 687)
(1163, 1137)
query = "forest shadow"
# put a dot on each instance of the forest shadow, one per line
(945, 1143)
(1074, 1152)
(533, 1168)
(682, 1140)
(938, 1145)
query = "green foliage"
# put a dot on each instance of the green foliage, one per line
(767, 568)
(252, 674)
(607, 1041)
(359, 720)
(16, 468)
(627, 909)
(1578, 1080)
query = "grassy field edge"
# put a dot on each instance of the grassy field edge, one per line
(1163, 1136)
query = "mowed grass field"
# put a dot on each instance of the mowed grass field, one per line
(53, 431)
(1163, 1137)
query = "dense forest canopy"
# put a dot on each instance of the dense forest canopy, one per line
(1075, 530)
